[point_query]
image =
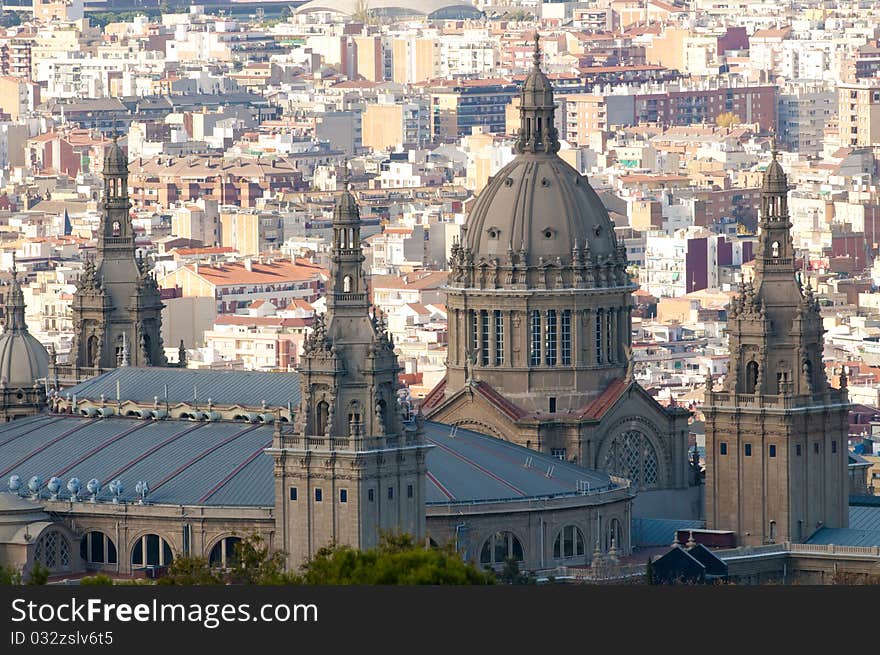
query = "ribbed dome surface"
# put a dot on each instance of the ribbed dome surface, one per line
(23, 359)
(541, 204)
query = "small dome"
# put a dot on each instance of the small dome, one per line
(346, 208)
(23, 359)
(775, 180)
(115, 161)
(539, 203)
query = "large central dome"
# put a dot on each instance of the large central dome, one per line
(541, 205)
(538, 205)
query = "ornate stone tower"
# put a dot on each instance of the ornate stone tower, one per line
(352, 466)
(776, 434)
(540, 305)
(117, 306)
(24, 361)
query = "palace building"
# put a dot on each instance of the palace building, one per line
(540, 310)
(136, 466)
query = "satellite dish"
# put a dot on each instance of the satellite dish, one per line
(14, 483)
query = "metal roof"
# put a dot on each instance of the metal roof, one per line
(224, 463)
(660, 532)
(845, 537)
(864, 517)
(222, 387)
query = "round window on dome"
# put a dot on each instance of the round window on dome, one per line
(548, 233)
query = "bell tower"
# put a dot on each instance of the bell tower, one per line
(117, 301)
(776, 434)
(353, 465)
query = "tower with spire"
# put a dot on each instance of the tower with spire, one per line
(352, 465)
(117, 306)
(776, 433)
(24, 361)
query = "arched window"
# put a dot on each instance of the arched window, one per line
(499, 338)
(151, 550)
(223, 553)
(632, 456)
(535, 329)
(92, 350)
(598, 335)
(52, 550)
(775, 248)
(117, 228)
(97, 548)
(346, 284)
(550, 338)
(569, 543)
(322, 412)
(500, 547)
(751, 377)
(484, 337)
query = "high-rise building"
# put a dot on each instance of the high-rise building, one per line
(351, 468)
(858, 114)
(776, 433)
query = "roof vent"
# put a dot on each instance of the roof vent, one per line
(583, 487)
(528, 462)
(549, 473)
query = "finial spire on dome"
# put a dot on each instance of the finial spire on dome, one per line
(773, 151)
(15, 302)
(536, 57)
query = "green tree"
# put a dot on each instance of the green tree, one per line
(39, 575)
(9, 575)
(397, 560)
(191, 571)
(96, 580)
(253, 563)
(510, 574)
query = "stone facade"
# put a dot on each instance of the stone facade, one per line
(540, 314)
(351, 467)
(776, 434)
(117, 306)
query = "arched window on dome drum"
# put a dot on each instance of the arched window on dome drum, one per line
(474, 341)
(550, 338)
(598, 335)
(346, 284)
(609, 335)
(484, 337)
(97, 548)
(151, 550)
(499, 337)
(500, 547)
(775, 248)
(751, 377)
(223, 552)
(631, 455)
(565, 326)
(535, 338)
(569, 543)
